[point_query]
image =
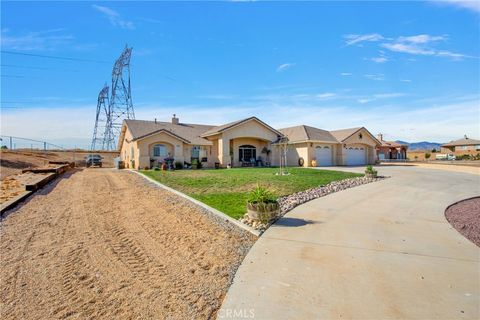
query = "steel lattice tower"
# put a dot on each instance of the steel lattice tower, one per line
(120, 105)
(98, 140)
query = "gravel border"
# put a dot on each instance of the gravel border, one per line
(293, 200)
(464, 216)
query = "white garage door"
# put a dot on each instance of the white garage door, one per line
(324, 156)
(356, 156)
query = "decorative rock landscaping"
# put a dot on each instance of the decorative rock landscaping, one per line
(289, 202)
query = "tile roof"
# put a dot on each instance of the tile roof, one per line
(391, 144)
(184, 131)
(304, 133)
(219, 129)
(462, 142)
(343, 134)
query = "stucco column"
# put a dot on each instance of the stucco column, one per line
(224, 151)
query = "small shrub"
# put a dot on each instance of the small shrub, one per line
(370, 169)
(156, 169)
(261, 195)
(427, 155)
(178, 165)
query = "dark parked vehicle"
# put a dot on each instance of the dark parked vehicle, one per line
(93, 160)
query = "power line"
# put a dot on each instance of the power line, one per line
(22, 67)
(51, 57)
(11, 76)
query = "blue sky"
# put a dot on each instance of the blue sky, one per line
(407, 69)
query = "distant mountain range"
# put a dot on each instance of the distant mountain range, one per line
(423, 145)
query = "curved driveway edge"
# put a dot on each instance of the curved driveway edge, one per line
(381, 250)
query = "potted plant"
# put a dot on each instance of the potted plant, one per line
(178, 165)
(370, 173)
(262, 205)
(267, 153)
(195, 164)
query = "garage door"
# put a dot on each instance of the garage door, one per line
(356, 156)
(324, 156)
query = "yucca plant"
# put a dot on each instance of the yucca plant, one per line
(262, 205)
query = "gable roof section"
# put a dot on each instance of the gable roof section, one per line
(189, 133)
(344, 134)
(225, 127)
(306, 133)
(170, 133)
(462, 142)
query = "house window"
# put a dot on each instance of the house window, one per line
(160, 150)
(247, 152)
(132, 153)
(196, 152)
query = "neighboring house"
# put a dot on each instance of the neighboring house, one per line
(461, 146)
(391, 150)
(144, 144)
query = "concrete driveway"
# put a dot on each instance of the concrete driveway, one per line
(379, 251)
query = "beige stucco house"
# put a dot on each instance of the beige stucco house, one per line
(145, 144)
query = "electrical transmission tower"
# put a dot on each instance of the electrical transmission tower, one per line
(99, 140)
(120, 104)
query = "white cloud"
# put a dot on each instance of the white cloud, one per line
(421, 44)
(326, 95)
(345, 74)
(359, 38)
(377, 96)
(38, 40)
(379, 59)
(364, 100)
(285, 66)
(376, 77)
(114, 17)
(405, 80)
(473, 5)
(421, 38)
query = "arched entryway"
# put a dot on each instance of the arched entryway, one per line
(247, 154)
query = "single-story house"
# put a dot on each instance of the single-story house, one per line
(465, 145)
(246, 142)
(144, 144)
(354, 146)
(391, 150)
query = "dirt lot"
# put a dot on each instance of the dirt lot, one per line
(13, 161)
(102, 243)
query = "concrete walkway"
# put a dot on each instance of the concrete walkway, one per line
(379, 251)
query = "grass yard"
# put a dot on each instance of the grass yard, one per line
(227, 189)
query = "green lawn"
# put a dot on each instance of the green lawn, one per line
(227, 189)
